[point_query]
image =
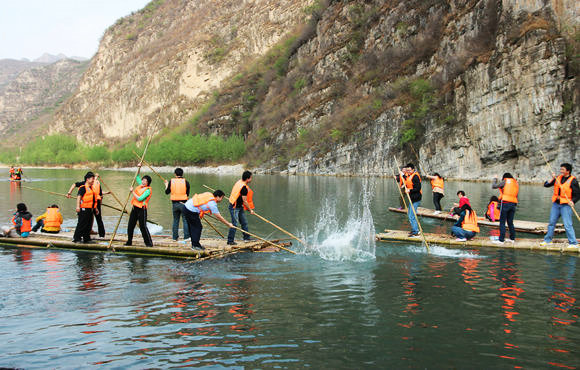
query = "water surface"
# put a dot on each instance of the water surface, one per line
(343, 302)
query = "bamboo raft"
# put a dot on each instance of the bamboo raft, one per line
(558, 245)
(163, 246)
(530, 227)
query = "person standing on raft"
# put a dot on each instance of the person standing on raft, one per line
(140, 200)
(566, 193)
(466, 226)
(99, 197)
(508, 196)
(413, 188)
(437, 184)
(178, 187)
(86, 208)
(241, 198)
(196, 208)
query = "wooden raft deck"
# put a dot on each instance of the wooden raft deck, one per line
(558, 245)
(163, 246)
(530, 227)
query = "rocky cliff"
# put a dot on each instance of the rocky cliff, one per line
(474, 87)
(156, 67)
(28, 100)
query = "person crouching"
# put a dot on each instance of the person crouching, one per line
(196, 207)
(49, 221)
(466, 226)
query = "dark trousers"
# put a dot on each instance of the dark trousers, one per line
(84, 224)
(138, 214)
(437, 200)
(194, 225)
(402, 199)
(40, 224)
(99, 219)
(508, 211)
(179, 212)
(238, 214)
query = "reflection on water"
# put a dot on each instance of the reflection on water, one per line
(345, 302)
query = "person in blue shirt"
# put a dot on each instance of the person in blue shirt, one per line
(196, 208)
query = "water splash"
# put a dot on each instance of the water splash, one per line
(353, 240)
(435, 250)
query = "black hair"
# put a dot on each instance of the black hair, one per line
(410, 165)
(148, 178)
(53, 206)
(21, 207)
(438, 175)
(493, 199)
(89, 175)
(461, 192)
(218, 193)
(178, 172)
(567, 166)
(507, 175)
(246, 175)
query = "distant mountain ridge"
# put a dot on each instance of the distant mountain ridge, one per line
(49, 58)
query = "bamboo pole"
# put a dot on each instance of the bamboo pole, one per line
(130, 192)
(413, 208)
(271, 223)
(150, 167)
(163, 179)
(554, 174)
(259, 238)
(64, 195)
(109, 190)
(400, 192)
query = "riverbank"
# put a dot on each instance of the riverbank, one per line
(237, 169)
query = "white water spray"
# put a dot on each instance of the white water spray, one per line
(352, 241)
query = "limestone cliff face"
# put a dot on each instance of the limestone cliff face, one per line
(35, 93)
(156, 67)
(504, 80)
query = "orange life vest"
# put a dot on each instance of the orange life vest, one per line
(437, 182)
(88, 200)
(11, 171)
(509, 192)
(495, 206)
(470, 221)
(235, 194)
(250, 199)
(409, 181)
(562, 192)
(140, 190)
(201, 200)
(52, 219)
(178, 189)
(97, 190)
(26, 224)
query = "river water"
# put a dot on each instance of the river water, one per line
(342, 302)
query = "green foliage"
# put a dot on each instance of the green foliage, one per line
(196, 149)
(263, 134)
(313, 9)
(131, 37)
(98, 153)
(336, 135)
(299, 84)
(53, 149)
(421, 108)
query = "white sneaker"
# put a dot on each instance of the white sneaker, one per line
(545, 243)
(572, 248)
(460, 240)
(510, 240)
(436, 212)
(497, 242)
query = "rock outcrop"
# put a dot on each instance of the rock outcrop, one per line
(35, 93)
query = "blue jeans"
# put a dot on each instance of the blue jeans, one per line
(461, 233)
(237, 214)
(179, 211)
(412, 219)
(565, 211)
(508, 211)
